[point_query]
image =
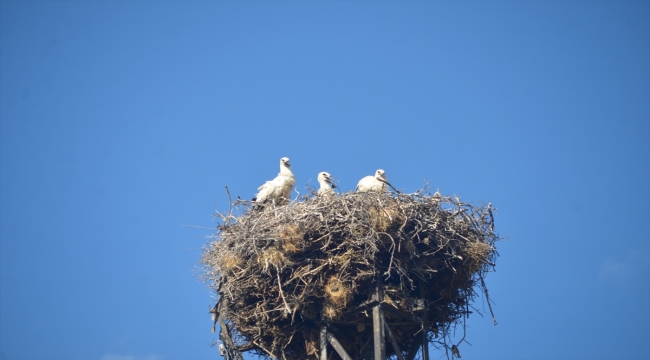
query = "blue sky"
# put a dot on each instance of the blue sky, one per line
(122, 121)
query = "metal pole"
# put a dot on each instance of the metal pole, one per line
(414, 348)
(392, 340)
(323, 342)
(338, 347)
(425, 345)
(378, 323)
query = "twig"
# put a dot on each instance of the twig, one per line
(229, 202)
(389, 184)
(487, 297)
(282, 294)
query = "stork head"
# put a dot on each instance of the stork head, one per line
(326, 177)
(323, 176)
(285, 162)
(380, 174)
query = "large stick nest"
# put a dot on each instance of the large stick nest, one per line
(282, 272)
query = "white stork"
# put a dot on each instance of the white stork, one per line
(375, 183)
(326, 185)
(277, 190)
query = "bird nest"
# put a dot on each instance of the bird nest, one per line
(283, 273)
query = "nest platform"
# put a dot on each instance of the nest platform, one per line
(288, 280)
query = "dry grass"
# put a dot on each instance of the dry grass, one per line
(282, 272)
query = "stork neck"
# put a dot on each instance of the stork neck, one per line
(285, 170)
(324, 184)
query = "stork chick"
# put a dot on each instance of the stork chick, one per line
(278, 190)
(375, 183)
(327, 186)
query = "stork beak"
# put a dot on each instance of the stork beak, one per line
(329, 180)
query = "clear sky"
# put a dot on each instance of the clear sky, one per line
(121, 121)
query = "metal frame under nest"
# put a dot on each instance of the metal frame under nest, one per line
(381, 331)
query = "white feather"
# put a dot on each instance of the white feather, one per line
(373, 183)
